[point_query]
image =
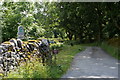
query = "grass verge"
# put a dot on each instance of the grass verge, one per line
(59, 66)
(113, 51)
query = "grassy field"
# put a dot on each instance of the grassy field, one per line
(56, 70)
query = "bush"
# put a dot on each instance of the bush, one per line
(114, 42)
(74, 42)
(56, 46)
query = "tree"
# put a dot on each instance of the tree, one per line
(86, 22)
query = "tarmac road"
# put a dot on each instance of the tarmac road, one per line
(93, 63)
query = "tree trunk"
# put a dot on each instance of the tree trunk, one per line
(75, 37)
(70, 35)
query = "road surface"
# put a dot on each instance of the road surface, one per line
(93, 63)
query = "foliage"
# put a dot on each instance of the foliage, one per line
(90, 21)
(86, 22)
(114, 42)
(56, 46)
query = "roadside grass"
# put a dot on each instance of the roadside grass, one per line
(58, 67)
(65, 57)
(29, 71)
(112, 50)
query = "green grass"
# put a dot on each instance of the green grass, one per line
(65, 57)
(113, 51)
(56, 70)
(29, 71)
